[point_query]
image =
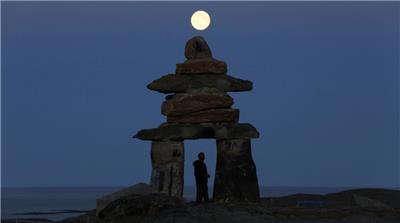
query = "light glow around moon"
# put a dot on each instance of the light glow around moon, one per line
(200, 20)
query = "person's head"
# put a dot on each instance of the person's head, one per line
(201, 156)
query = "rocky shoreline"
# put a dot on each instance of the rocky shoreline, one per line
(360, 205)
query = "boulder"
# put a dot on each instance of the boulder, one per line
(201, 66)
(180, 131)
(174, 83)
(197, 48)
(137, 189)
(366, 202)
(212, 115)
(185, 103)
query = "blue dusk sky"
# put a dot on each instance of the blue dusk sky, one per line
(325, 97)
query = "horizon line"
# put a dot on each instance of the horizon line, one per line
(119, 186)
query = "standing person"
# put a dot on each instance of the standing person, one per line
(200, 172)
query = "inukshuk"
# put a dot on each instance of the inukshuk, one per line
(199, 107)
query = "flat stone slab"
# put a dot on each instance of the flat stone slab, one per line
(178, 83)
(202, 66)
(186, 103)
(178, 132)
(205, 116)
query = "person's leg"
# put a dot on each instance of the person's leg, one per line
(206, 193)
(198, 193)
(202, 191)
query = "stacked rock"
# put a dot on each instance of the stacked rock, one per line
(199, 107)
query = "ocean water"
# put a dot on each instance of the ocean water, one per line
(16, 201)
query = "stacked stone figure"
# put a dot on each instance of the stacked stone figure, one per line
(198, 106)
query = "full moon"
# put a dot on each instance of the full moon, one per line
(200, 20)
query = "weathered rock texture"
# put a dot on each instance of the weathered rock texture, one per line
(201, 108)
(137, 189)
(160, 208)
(186, 103)
(167, 159)
(197, 48)
(235, 176)
(211, 115)
(182, 131)
(174, 83)
(336, 208)
(202, 66)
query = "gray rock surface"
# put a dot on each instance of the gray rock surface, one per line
(167, 161)
(367, 202)
(137, 189)
(173, 83)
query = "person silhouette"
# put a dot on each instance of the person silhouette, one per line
(201, 175)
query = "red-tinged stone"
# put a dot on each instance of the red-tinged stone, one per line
(207, 116)
(182, 104)
(204, 66)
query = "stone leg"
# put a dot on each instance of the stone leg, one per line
(167, 159)
(235, 175)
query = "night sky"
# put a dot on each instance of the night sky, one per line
(325, 97)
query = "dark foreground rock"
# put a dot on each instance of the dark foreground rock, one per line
(344, 207)
(137, 189)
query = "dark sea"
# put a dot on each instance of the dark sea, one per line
(39, 201)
